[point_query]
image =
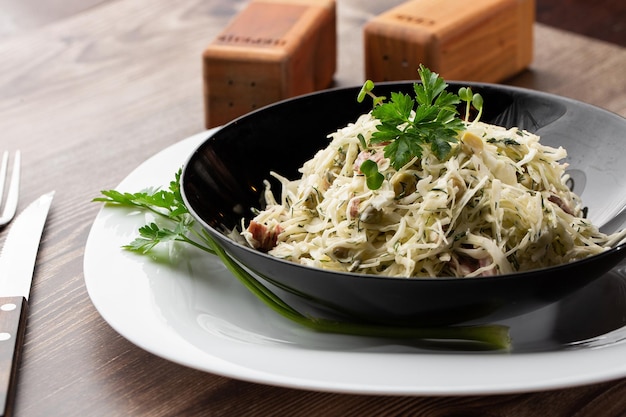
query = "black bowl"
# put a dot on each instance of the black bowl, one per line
(223, 180)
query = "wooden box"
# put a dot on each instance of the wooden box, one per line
(272, 50)
(478, 40)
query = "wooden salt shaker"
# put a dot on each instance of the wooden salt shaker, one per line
(478, 40)
(272, 50)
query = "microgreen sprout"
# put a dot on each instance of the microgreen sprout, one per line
(471, 99)
(362, 141)
(366, 89)
(373, 178)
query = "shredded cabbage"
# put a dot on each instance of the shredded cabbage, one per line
(499, 204)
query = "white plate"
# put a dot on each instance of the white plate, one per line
(185, 307)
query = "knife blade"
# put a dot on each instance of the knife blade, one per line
(17, 264)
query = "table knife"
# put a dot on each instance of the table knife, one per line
(17, 264)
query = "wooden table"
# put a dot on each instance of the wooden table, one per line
(88, 97)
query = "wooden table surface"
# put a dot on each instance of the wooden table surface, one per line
(90, 93)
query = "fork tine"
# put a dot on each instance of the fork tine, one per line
(3, 172)
(10, 205)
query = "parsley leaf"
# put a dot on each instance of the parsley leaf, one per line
(152, 235)
(168, 203)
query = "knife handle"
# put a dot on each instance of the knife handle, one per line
(12, 328)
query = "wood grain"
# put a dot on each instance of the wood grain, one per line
(89, 97)
(600, 19)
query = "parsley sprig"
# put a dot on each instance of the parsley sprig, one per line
(168, 205)
(408, 125)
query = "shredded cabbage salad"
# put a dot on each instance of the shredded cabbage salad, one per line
(498, 204)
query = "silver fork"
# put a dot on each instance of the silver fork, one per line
(10, 205)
